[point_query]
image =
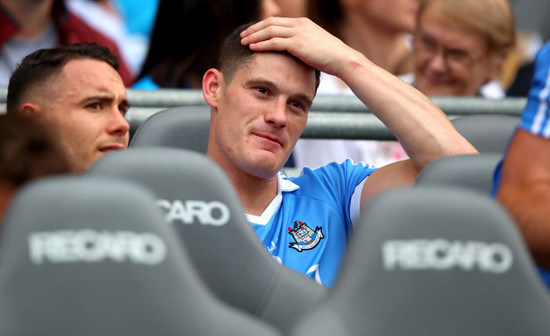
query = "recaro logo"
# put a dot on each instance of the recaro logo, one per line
(207, 213)
(92, 246)
(441, 254)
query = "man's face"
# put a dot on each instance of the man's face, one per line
(85, 106)
(262, 112)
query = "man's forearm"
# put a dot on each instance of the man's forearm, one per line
(528, 205)
(422, 128)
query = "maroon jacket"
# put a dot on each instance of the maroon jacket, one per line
(70, 29)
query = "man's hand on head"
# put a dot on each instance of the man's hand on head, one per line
(302, 38)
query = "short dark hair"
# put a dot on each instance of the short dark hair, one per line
(234, 55)
(42, 64)
(28, 151)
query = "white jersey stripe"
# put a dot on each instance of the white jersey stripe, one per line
(542, 110)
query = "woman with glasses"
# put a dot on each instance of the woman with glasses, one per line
(460, 46)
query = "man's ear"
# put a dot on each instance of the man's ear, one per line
(212, 83)
(29, 109)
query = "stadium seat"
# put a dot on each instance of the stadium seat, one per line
(180, 127)
(90, 256)
(434, 261)
(470, 171)
(201, 203)
(489, 133)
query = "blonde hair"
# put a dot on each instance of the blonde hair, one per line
(492, 19)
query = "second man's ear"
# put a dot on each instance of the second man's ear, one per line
(29, 109)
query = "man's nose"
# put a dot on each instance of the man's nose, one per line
(118, 124)
(277, 114)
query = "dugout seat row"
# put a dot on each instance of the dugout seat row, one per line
(92, 256)
(95, 255)
(154, 241)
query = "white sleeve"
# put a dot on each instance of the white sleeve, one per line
(355, 204)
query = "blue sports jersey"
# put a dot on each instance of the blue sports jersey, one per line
(307, 225)
(535, 117)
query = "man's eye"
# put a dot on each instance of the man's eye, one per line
(94, 106)
(261, 90)
(123, 110)
(297, 105)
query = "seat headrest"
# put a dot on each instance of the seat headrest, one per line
(199, 200)
(437, 261)
(470, 171)
(92, 256)
(489, 133)
(184, 127)
(190, 187)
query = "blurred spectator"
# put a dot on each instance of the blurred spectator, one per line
(200, 27)
(378, 29)
(27, 152)
(460, 47)
(29, 25)
(76, 90)
(138, 15)
(106, 17)
(292, 8)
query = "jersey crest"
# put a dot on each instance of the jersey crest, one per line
(305, 238)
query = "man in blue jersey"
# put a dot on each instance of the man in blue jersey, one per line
(260, 98)
(524, 174)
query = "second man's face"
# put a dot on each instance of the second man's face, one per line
(86, 108)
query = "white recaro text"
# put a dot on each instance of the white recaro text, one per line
(96, 246)
(207, 213)
(441, 254)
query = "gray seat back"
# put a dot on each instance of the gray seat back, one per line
(470, 171)
(489, 133)
(91, 256)
(180, 127)
(434, 261)
(201, 203)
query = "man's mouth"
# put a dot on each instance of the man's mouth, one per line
(111, 148)
(269, 138)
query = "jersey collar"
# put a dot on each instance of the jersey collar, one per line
(283, 185)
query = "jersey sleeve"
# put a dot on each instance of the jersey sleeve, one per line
(536, 115)
(335, 185)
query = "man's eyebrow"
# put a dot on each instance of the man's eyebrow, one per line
(262, 82)
(104, 99)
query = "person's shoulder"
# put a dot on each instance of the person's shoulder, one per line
(145, 83)
(334, 171)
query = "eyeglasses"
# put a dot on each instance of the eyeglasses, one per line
(427, 47)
